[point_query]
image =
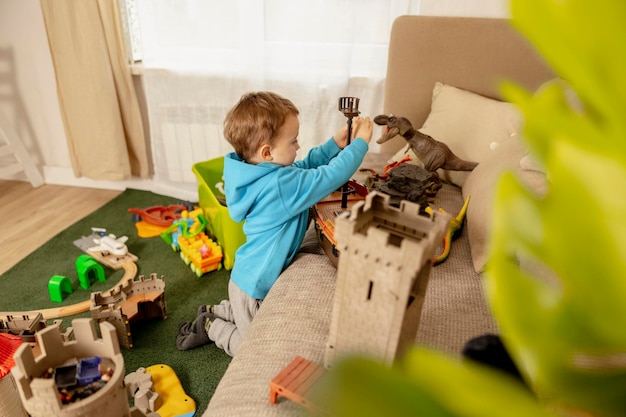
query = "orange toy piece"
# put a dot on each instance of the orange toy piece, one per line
(326, 211)
(147, 230)
(392, 165)
(386, 168)
(296, 381)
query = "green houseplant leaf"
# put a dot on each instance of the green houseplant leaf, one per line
(558, 312)
(429, 384)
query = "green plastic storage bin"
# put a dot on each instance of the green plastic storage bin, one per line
(229, 234)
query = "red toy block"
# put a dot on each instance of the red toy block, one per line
(8, 346)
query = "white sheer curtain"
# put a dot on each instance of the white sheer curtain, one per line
(200, 56)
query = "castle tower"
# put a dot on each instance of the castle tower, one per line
(40, 395)
(384, 264)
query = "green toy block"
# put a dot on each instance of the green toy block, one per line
(57, 285)
(85, 267)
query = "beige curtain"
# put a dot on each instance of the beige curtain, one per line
(98, 103)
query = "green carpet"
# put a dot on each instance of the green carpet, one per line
(25, 287)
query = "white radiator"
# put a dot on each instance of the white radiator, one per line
(186, 112)
(186, 135)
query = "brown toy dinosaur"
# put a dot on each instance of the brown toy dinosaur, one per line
(434, 154)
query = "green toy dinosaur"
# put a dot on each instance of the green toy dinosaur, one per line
(456, 223)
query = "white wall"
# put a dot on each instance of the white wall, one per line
(33, 105)
(466, 8)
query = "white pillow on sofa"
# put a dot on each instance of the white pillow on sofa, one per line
(473, 126)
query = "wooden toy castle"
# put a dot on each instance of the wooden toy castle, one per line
(24, 325)
(129, 302)
(40, 393)
(384, 267)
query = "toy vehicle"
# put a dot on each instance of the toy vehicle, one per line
(327, 210)
(201, 253)
(196, 249)
(110, 244)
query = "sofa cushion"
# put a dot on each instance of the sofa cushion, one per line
(472, 126)
(511, 156)
(528, 162)
(480, 187)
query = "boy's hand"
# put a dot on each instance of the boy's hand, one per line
(341, 137)
(362, 127)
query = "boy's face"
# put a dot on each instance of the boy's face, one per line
(286, 144)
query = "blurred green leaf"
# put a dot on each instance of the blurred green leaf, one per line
(559, 311)
(426, 383)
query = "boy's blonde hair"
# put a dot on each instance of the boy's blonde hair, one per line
(255, 120)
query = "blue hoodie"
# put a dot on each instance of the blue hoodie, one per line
(274, 201)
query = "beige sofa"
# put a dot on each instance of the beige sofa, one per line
(472, 55)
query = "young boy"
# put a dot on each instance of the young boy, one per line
(273, 193)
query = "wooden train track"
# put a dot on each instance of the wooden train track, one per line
(130, 271)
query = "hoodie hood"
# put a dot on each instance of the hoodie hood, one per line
(239, 189)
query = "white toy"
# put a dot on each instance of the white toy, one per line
(110, 244)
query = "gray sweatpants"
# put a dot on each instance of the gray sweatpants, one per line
(233, 317)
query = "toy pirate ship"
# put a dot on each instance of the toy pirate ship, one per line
(327, 210)
(400, 181)
(339, 201)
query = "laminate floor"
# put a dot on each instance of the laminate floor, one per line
(29, 216)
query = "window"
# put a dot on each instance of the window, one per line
(200, 56)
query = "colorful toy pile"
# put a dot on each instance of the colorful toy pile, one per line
(197, 250)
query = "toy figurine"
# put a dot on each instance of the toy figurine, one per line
(434, 154)
(453, 230)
